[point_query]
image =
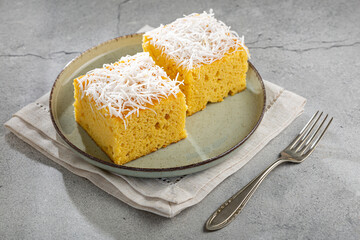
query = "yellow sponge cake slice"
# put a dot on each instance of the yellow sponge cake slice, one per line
(204, 53)
(130, 108)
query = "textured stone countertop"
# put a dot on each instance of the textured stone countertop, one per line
(309, 47)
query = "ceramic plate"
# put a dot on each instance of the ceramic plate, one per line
(212, 133)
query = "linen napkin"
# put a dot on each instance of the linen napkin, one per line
(164, 196)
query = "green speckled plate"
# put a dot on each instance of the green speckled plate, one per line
(212, 133)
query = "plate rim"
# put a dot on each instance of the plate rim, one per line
(137, 169)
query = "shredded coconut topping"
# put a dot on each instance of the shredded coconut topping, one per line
(127, 86)
(196, 39)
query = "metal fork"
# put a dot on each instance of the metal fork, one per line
(297, 151)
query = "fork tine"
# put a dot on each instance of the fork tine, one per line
(315, 142)
(307, 124)
(312, 137)
(307, 133)
(303, 131)
(316, 132)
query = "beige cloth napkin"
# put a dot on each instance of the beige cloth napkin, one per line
(166, 196)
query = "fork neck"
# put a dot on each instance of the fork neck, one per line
(283, 158)
(279, 161)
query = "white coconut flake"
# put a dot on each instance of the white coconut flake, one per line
(196, 39)
(127, 86)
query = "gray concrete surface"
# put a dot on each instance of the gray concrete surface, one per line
(309, 47)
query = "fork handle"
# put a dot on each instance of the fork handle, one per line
(227, 212)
